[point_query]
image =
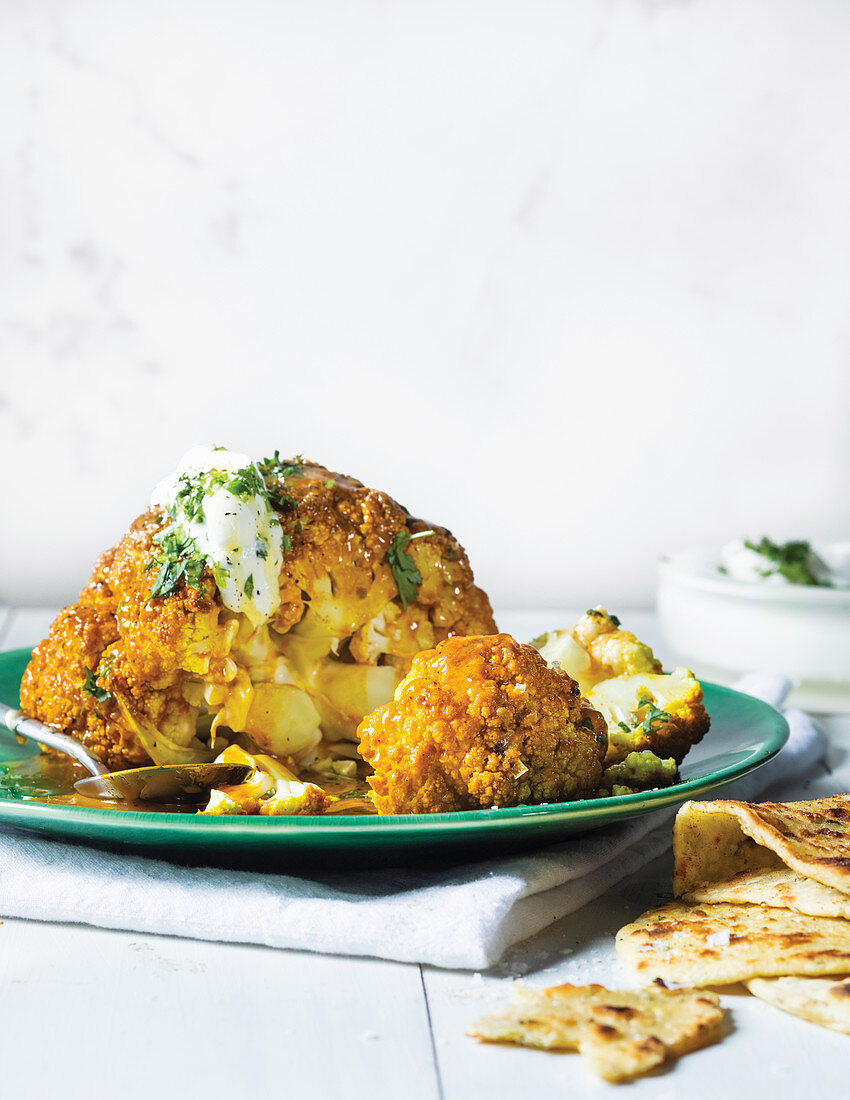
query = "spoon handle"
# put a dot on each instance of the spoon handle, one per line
(19, 724)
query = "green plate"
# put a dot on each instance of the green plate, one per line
(745, 733)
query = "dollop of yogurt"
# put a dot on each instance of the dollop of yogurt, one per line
(218, 499)
(828, 564)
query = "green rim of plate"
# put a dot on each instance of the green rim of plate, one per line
(745, 734)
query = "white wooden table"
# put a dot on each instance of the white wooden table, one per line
(91, 1013)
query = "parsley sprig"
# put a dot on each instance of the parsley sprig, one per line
(599, 614)
(654, 718)
(405, 574)
(91, 686)
(178, 559)
(792, 560)
(279, 469)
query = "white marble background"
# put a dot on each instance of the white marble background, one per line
(569, 276)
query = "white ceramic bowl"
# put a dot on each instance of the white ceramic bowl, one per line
(719, 625)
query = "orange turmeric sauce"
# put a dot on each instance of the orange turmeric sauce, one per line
(51, 780)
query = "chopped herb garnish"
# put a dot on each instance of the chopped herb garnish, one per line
(625, 726)
(329, 483)
(597, 614)
(91, 686)
(279, 469)
(405, 574)
(655, 717)
(286, 544)
(280, 499)
(791, 560)
(178, 559)
(249, 586)
(246, 483)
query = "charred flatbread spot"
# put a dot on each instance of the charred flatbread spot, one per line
(623, 1011)
(663, 929)
(715, 841)
(735, 943)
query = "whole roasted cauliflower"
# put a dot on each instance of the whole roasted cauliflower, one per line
(481, 722)
(272, 604)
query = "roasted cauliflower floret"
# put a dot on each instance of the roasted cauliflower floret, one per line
(654, 711)
(188, 635)
(481, 722)
(639, 771)
(270, 791)
(595, 649)
(644, 708)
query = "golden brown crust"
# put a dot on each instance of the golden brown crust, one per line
(149, 653)
(342, 530)
(674, 737)
(52, 685)
(482, 721)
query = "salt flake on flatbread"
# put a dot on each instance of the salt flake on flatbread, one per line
(717, 944)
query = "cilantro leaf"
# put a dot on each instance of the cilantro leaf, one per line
(91, 686)
(792, 560)
(405, 574)
(597, 614)
(178, 559)
(279, 469)
(655, 717)
(246, 483)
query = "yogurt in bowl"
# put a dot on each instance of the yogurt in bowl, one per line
(768, 562)
(744, 606)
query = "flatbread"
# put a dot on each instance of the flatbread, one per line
(716, 944)
(713, 841)
(779, 887)
(823, 1001)
(621, 1033)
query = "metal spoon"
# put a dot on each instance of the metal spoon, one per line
(160, 783)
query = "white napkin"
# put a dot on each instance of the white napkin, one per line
(465, 917)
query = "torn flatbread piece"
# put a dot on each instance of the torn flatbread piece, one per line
(705, 945)
(621, 1033)
(823, 1001)
(714, 841)
(779, 887)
